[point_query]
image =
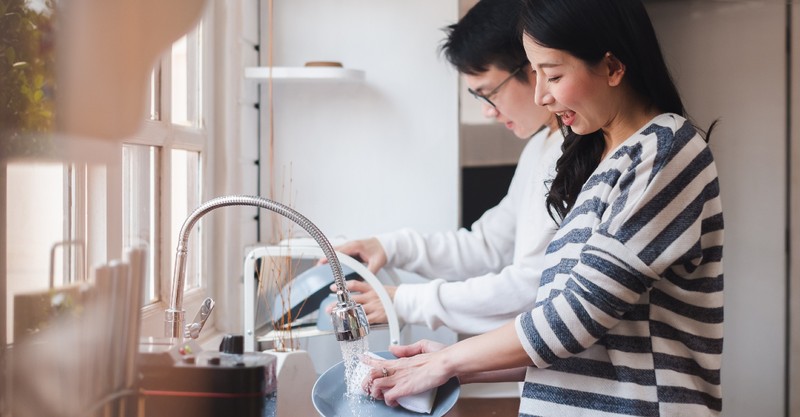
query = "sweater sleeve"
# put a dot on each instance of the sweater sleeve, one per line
(491, 298)
(490, 244)
(456, 255)
(474, 306)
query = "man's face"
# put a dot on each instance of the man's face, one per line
(514, 104)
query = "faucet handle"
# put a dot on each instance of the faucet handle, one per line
(192, 330)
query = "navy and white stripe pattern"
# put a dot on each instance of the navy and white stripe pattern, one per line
(629, 311)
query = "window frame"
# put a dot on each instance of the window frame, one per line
(168, 136)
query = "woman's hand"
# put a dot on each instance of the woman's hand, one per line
(363, 293)
(428, 346)
(421, 346)
(494, 356)
(392, 379)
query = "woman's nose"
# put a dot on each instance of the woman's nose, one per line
(541, 95)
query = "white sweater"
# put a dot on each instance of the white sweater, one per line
(495, 268)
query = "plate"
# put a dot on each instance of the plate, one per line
(329, 398)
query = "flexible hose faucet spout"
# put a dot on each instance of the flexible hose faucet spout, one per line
(349, 319)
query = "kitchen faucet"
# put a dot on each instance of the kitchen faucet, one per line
(349, 320)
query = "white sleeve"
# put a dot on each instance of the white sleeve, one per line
(455, 255)
(474, 306)
(490, 299)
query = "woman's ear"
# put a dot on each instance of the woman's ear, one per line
(616, 69)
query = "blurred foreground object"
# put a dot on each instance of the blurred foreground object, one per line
(106, 51)
(78, 358)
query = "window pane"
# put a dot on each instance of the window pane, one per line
(140, 208)
(185, 196)
(35, 222)
(186, 75)
(155, 94)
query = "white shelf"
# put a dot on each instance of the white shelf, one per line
(305, 74)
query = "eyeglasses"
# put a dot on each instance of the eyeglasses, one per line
(485, 97)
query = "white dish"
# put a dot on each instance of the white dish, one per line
(329, 398)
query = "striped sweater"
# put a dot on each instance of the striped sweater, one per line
(628, 318)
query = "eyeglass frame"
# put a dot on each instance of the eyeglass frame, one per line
(485, 97)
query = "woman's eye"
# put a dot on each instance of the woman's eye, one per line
(553, 79)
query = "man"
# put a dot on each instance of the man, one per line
(484, 277)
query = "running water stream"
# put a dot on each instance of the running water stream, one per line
(354, 373)
(354, 370)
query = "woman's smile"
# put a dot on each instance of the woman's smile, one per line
(567, 117)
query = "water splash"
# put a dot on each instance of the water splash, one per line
(353, 373)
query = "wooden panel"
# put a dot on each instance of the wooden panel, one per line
(482, 407)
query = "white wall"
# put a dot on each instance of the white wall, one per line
(728, 59)
(363, 158)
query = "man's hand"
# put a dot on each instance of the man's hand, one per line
(362, 293)
(369, 251)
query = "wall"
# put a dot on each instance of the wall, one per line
(355, 158)
(728, 59)
(352, 156)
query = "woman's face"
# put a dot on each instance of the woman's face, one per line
(515, 107)
(577, 93)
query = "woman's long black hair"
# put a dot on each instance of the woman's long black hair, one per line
(588, 29)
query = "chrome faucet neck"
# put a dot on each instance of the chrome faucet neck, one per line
(354, 327)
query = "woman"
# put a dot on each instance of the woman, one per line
(628, 316)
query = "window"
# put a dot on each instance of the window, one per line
(140, 196)
(187, 75)
(35, 192)
(185, 197)
(162, 172)
(64, 217)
